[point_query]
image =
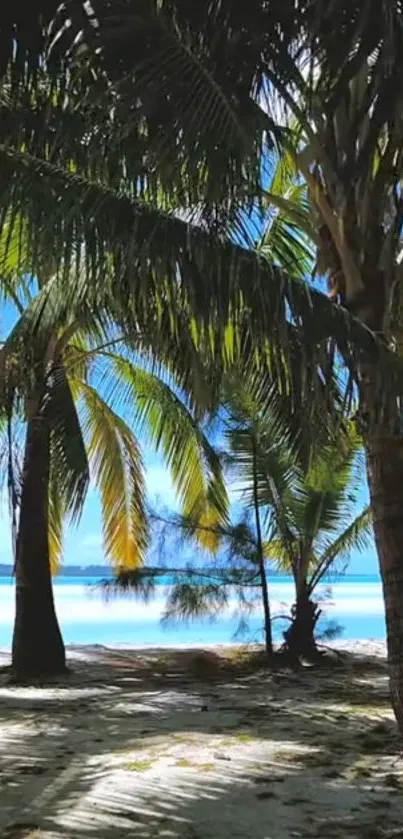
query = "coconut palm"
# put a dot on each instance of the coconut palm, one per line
(251, 414)
(80, 393)
(259, 458)
(251, 68)
(315, 529)
(344, 96)
(302, 497)
(298, 513)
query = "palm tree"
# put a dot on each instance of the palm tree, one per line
(298, 513)
(99, 188)
(345, 99)
(302, 495)
(257, 455)
(80, 398)
(315, 530)
(260, 421)
(207, 152)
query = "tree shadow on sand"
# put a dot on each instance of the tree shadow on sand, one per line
(139, 745)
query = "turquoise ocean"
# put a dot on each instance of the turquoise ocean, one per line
(354, 603)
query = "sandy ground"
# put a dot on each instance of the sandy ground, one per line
(158, 743)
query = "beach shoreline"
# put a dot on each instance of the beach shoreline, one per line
(354, 609)
(358, 647)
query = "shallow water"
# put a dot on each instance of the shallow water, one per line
(86, 618)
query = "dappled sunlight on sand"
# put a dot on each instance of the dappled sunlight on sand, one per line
(136, 744)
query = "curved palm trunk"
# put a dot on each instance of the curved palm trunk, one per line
(37, 648)
(385, 476)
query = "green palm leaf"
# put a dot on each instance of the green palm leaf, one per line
(218, 282)
(69, 463)
(168, 424)
(118, 471)
(289, 235)
(357, 536)
(56, 514)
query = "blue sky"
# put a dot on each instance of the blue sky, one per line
(83, 543)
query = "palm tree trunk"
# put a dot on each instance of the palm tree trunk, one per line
(37, 648)
(262, 569)
(381, 417)
(300, 637)
(385, 477)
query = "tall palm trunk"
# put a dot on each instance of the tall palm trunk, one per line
(385, 476)
(262, 569)
(384, 451)
(38, 648)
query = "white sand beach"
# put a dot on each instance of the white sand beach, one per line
(163, 743)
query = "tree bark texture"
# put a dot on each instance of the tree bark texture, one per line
(300, 636)
(381, 418)
(385, 476)
(37, 648)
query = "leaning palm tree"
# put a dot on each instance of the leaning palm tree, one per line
(80, 392)
(315, 529)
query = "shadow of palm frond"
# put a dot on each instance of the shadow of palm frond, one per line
(137, 745)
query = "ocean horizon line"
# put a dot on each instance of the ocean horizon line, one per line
(100, 570)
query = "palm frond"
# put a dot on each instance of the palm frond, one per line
(79, 354)
(56, 513)
(69, 463)
(50, 308)
(324, 495)
(223, 140)
(281, 552)
(167, 423)
(357, 536)
(118, 470)
(289, 237)
(260, 446)
(157, 257)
